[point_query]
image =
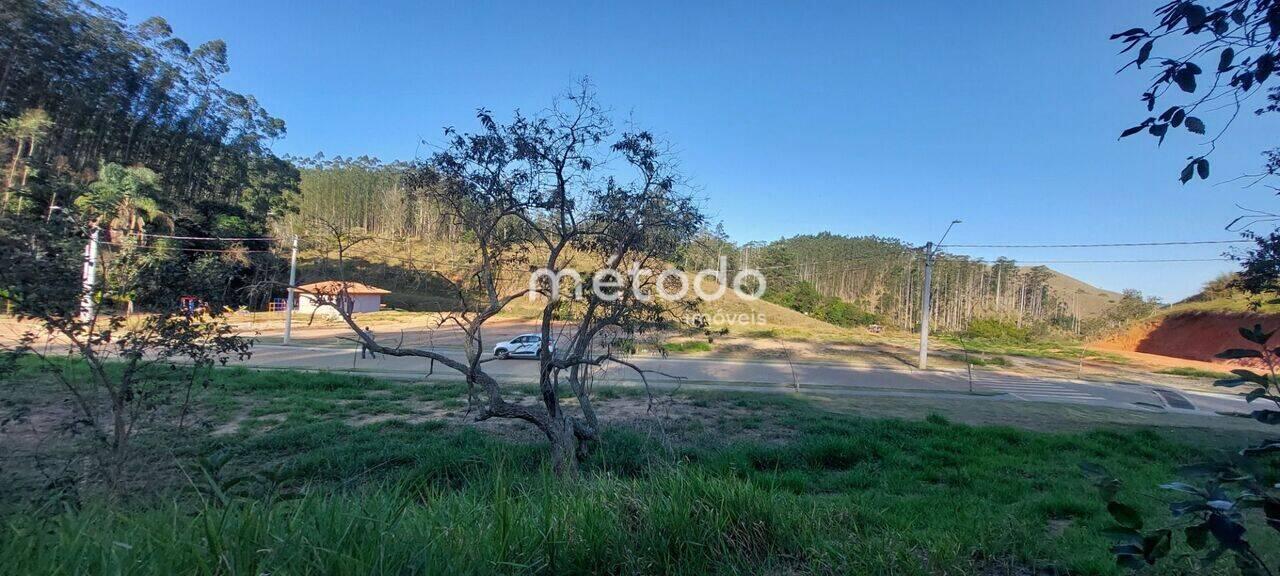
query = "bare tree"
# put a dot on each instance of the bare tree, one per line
(554, 192)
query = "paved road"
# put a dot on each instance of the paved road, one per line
(764, 376)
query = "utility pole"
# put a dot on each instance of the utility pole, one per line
(925, 303)
(930, 250)
(90, 276)
(293, 280)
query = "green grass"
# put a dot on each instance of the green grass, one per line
(1033, 348)
(979, 360)
(766, 485)
(687, 346)
(1196, 373)
(1266, 303)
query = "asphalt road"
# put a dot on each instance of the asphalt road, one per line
(833, 379)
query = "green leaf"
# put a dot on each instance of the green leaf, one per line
(1265, 65)
(1187, 172)
(1157, 545)
(1256, 335)
(1228, 532)
(1224, 60)
(1230, 383)
(1248, 566)
(1265, 448)
(1144, 52)
(1130, 32)
(1130, 561)
(1271, 508)
(1266, 416)
(1183, 508)
(1236, 353)
(1125, 515)
(1185, 79)
(1197, 536)
(1255, 394)
(1251, 376)
(1183, 487)
(1195, 125)
(1202, 168)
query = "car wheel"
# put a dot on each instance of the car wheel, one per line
(502, 353)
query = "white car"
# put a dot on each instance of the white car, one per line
(522, 346)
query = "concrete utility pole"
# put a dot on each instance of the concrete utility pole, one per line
(930, 250)
(90, 276)
(926, 301)
(293, 280)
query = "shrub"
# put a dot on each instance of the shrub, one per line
(996, 329)
(689, 346)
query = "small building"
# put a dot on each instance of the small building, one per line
(353, 296)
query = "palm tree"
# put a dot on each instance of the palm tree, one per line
(124, 199)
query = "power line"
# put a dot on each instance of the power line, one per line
(206, 238)
(181, 249)
(1023, 262)
(1104, 245)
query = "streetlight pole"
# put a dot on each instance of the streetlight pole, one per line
(293, 279)
(926, 296)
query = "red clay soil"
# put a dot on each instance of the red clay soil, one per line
(1190, 335)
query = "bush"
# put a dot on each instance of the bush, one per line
(841, 313)
(804, 297)
(690, 346)
(996, 329)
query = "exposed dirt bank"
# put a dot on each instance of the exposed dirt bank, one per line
(1191, 335)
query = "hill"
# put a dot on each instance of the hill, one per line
(883, 276)
(1090, 300)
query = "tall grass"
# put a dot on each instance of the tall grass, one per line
(848, 496)
(679, 522)
(768, 485)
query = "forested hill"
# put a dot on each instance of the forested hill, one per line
(81, 87)
(883, 276)
(127, 130)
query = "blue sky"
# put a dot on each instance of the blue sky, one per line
(858, 118)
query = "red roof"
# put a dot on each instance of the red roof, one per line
(336, 286)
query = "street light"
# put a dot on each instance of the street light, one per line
(926, 300)
(948, 231)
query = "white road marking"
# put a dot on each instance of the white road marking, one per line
(1026, 390)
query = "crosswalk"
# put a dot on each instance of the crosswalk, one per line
(1029, 390)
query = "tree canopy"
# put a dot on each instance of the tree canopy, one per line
(87, 86)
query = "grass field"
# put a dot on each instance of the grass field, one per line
(362, 476)
(1196, 373)
(1032, 348)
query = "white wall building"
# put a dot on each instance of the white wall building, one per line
(354, 296)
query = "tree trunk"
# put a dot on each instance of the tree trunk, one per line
(120, 441)
(564, 447)
(13, 171)
(26, 169)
